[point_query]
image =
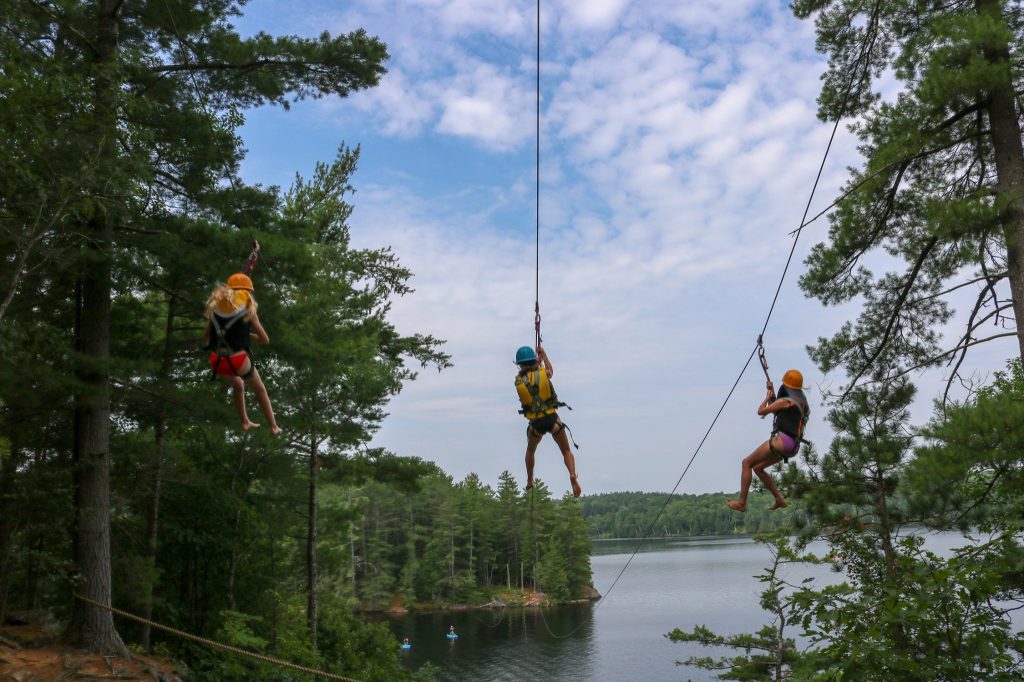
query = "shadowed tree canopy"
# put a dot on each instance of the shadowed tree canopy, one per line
(120, 121)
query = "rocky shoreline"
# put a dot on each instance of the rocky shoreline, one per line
(512, 599)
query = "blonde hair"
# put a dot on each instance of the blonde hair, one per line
(228, 300)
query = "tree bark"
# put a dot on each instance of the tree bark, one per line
(92, 627)
(1009, 158)
(9, 466)
(233, 559)
(311, 539)
(233, 562)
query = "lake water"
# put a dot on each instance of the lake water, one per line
(673, 583)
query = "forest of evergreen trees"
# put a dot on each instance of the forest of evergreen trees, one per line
(124, 477)
(637, 515)
(462, 542)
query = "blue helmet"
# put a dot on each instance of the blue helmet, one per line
(525, 354)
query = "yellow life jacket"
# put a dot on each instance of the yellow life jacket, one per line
(536, 394)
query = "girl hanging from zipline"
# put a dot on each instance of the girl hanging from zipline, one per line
(232, 324)
(540, 406)
(791, 413)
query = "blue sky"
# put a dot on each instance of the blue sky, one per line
(679, 144)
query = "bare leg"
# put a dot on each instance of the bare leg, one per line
(759, 469)
(238, 396)
(761, 454)
(256, 384)
(532, 440)
(570, 462)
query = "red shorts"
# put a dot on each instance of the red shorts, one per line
(228, 367)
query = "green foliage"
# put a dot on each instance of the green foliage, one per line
(122, 153)
(970, 472)
(938, 206)
(938, 201)
(768, 654)
(449, 542)
(553, 573)
(633, 514)
(900, 611)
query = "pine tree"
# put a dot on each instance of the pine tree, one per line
(510, 527)
(133, 118)
(942, 187)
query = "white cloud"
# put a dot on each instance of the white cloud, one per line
(487, 106)
(593, 14)
(402, 107)
(680, 143)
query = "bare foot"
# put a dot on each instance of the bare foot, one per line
(275, 429)
(529, 483)
(780, 504)
(736, 505)
(576, 491)
(249, 425)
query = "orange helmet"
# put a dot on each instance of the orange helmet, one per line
(793, 379)
(240, 281)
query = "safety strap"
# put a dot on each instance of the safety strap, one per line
(223, 357)
(799, 438)
(538, 405)
(253, 256)
(569, 431)
(222, 331)
(221, 347)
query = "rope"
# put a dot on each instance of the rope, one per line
(758, 348)
(253, 257)
(764, 360)
(807, 208)
(218, 645)
(204, 104)
(536, 299)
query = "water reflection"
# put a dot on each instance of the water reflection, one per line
(502, 644)
(674, 582)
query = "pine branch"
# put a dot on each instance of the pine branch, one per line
(993, 278)
(936, 358)
(228, 66)
(67, 26)
(897, 309)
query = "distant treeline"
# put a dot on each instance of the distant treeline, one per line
(636, 514)
(453, 542)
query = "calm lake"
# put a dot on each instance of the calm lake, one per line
(670, 583)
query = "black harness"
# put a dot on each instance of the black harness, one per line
(538, 404)
(227, 339)
(791, 422)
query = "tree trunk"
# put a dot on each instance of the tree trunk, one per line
(311, 574)
(9, 466)
(352, 553)
(92, 627)
(233, 558)
(233, 561)
(156, 478)
(32, 574)
(1009, 153)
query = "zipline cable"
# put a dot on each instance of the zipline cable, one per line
(204, 105)
(536, 299)
(869, 43)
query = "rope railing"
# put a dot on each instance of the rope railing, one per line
(217, 645)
